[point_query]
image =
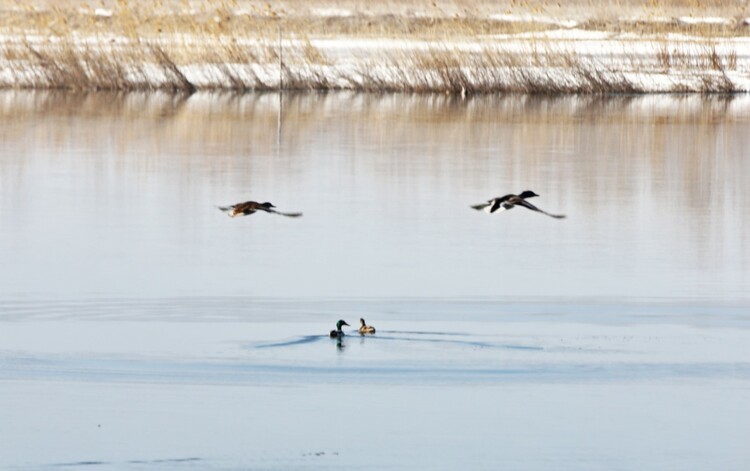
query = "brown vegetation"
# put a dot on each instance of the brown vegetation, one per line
(184, 45)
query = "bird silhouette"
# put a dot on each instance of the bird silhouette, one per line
(250, 207)
(510, 201)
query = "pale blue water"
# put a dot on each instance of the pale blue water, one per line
(140, 328)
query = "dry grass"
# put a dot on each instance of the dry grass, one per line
(442, 68)
(389, 18)
(695, 57)
(187, 45)
(493, 70)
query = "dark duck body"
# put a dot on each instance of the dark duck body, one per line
(250, 207)
(510, 201)
(338, 333)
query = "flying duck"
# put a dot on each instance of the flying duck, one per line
(249, 207)
(338, 332)
(509, 201)
(364, 328)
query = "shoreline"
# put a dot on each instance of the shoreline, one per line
(559, 61)
(494, 50)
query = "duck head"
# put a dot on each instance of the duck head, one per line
(268, 205)
(528, 194)
(341, 323)
(362, 322)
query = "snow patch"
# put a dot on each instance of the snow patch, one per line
(331, 12)
(704, 20)
(103, 13)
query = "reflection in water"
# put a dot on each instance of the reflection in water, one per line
(94, 464)
(114, 194)
(296, 341)
(392, 337)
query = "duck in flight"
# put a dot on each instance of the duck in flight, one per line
(338, 333)
(249, 207)
(509, 201)
(364, 328)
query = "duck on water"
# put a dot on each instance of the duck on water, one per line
(364, 328)
(338, 333)
(510, 201)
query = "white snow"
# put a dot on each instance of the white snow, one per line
(332, 12)
(103, 12)
(697, 20)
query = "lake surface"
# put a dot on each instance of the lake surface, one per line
(141, 328)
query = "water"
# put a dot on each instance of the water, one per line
(120, 191)
(140, 328)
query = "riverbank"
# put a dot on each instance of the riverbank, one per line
(333, 45)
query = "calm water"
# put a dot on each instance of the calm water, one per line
(140, 328)
(114, 196)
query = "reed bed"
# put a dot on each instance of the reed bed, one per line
(487, 47)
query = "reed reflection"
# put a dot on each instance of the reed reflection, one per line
(654, 187)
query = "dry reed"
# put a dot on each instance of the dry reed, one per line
(184, 46)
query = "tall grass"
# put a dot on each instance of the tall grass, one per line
(189, 45)
(493, 70)
(441, 68)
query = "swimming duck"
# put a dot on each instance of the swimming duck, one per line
(364, 328)
(249, 207)
(509, 201)
(338, 332)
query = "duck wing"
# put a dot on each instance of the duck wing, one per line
(492, 205)
(501, 205)
(280, 213)
(527, 205)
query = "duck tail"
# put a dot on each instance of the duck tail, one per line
(486, 207)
